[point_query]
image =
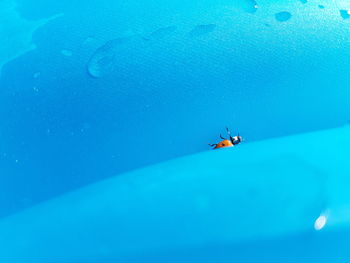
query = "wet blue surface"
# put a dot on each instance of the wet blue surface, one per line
(79, 106)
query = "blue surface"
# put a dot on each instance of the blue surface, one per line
(199, 209)
(95, 89)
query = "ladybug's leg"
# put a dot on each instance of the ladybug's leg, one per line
(222, 137)
(212, 145)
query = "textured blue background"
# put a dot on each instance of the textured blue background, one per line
(187, 70)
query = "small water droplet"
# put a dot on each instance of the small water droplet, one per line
(250, 6)
(66, 52)
(345, 14)
(35, 89)
(321, 6)
(303, 1)
(104, 57)
(283, 16)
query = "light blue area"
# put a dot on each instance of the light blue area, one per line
(251, 201)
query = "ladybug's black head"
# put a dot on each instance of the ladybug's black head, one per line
(236, 140)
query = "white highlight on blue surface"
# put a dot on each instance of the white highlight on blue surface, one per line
(320, 222)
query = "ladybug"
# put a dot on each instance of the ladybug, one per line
(233, 141)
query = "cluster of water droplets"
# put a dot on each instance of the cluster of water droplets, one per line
(107, 56)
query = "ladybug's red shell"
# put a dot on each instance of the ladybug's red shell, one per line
(223, 144)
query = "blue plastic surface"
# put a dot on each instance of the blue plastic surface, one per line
(93, 91)
(256, 200)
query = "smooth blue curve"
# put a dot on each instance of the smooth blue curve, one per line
(255, 201)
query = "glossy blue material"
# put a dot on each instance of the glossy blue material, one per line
(257, 201)
(93, 89)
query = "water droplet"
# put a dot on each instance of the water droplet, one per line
(321, 6)
(345, 14)
(36, 75)
(104, 57)
(66, 52)
(202, 30)
(250, 6)
(303, 1)
(35, 88)
(283, 16)
(162, 32)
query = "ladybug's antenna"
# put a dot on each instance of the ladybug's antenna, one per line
(231, 138)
